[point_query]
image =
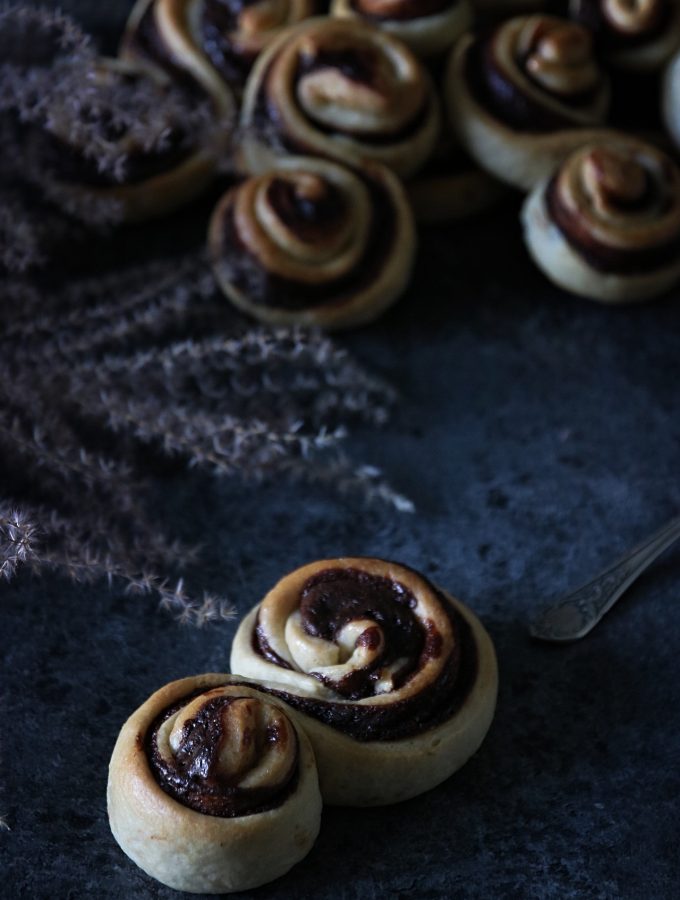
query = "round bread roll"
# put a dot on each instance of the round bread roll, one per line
(525, 95)
(428, 27)
(607, 224)
(213, 786)
(640, 36)
(340, 89)
(153, 180)
(395, 682)
(215, 42)
(314, 243)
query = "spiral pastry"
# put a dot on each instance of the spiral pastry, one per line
(215, 42)
(213, 787)
(428, 27)
(155, 180)
(640, 35)
(339, 89)
(395, 682)
(607, 224)
(522, 97)
(314, 243)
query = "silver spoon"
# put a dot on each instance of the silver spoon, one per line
(575, 615)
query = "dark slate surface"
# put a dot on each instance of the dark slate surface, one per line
(538, 435)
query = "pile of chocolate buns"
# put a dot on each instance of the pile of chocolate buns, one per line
(356, 682)
(344, 129)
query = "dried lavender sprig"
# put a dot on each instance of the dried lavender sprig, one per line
(297, 367)
(32, 36)
(17, 540)
(114, 322)
(65, 314)
(346, 477)
(225, 443)
(100, 532)
(57, 544)
(51, 76)
(51, 453)
(61, 102)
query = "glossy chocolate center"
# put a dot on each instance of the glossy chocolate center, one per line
(216, 752)
(619, 188)
(540, 62)
(310, 218)
(618, 24)
(335, 597)
(332, 599)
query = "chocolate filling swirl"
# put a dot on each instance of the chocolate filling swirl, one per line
(385, 646)
(224, 755)
(234, 32)
(340, 89)
(229, 33)
(618, 206)
(295, 240)
(146, 42)
(537, 74)
(619, 24)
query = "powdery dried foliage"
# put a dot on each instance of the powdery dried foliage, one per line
(64, 110)
(102, 376)
(102, 357)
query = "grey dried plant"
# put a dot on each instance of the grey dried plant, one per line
(67, 113)
(245, 402)
(102, 375)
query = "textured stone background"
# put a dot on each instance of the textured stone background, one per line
(539, 437)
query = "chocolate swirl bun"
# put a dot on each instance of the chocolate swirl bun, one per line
(340, 89)
(215, 42)
(213, 787)
(640, 35)
(522, 97)
(607, 224)
(395, 682)
(428, 27)
(314, 243)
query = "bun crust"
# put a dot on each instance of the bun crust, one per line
(396, 689)
(209, 814)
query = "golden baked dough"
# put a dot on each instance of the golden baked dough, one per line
(212, 41)
(395, 682)
(607, 224)
(213, 786)
(428, 27)
(314, 243)
(525, 95)
(339, 89)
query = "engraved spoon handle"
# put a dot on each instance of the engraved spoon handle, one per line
(575, 615)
